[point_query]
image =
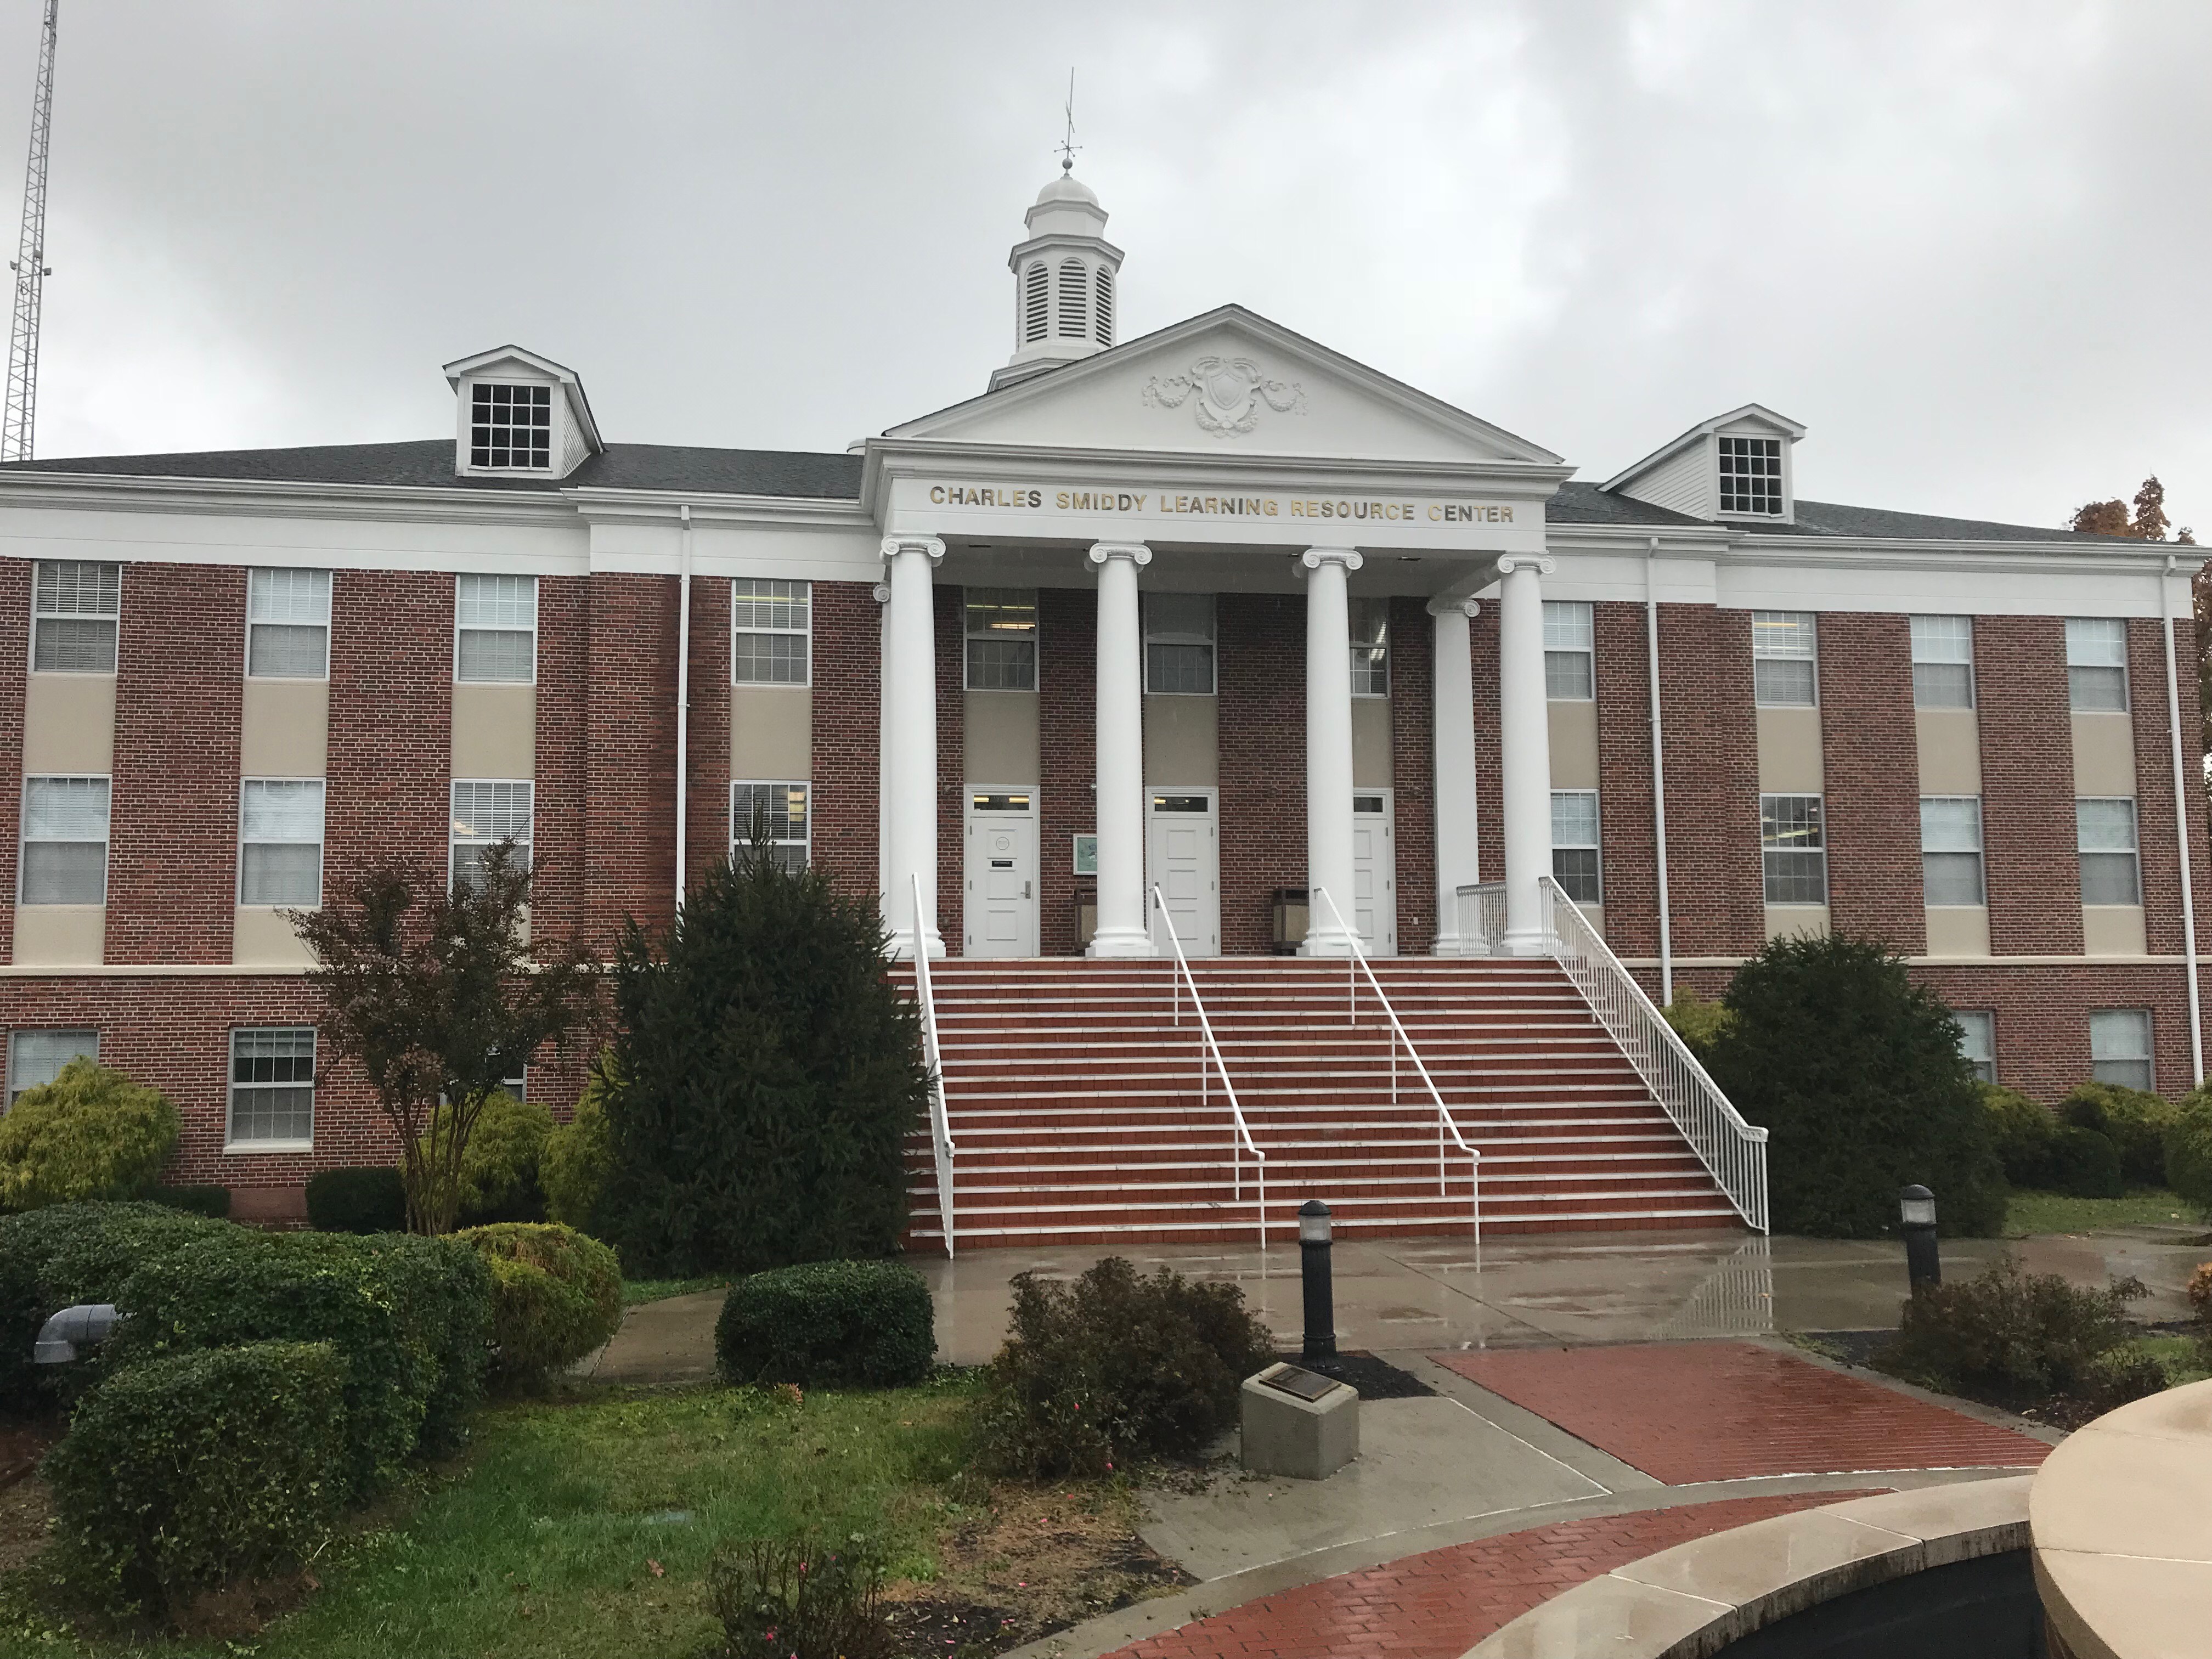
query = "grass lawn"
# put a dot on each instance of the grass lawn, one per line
(635, 1291)
(2055, 1212)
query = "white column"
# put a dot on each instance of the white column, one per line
(1525, 738)
(909, 743)
(1121, 806)
(1329, 748)
(1459, 862)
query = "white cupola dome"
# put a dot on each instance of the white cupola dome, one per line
(1064, 277)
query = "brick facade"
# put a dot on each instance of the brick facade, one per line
(1628, 834)
(560, 825)
(1488, 757)
(1871, 771)
(15, 666)
(1068, 752)
(391, 723)
(951, 625)
(1716, 886)
(2029, 859)
(2154, 822)
(1414, 771)
(631, 754)
(1261, 677)
(848, 712)
(707, 829)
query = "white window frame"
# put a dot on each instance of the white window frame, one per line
(1940, 647)
(987, 598)
(318, 585)
(745, 590)
(461, 627)
(1595, 846)
(1770, 448)
(1370, 658)
(741, 828)
(2132, 852)
(231, 1141)
(322, 831)
(1210, 641)
(2141, 1019)
(455, 840)
(1977, 1027)
(16, 1083)
(2087, 639)
(540, 392)
(1768, 847)
(113, 618)
(24, 841)
(1569, 630)
(1928, 852)
(1774, 638)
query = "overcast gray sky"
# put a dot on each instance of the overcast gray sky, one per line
(1964, 243)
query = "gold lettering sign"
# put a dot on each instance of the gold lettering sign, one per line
(1163, 503)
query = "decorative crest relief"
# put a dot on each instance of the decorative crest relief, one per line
(1225, 393)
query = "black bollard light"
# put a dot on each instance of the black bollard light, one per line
(1321, 1295)
(1916, 1208)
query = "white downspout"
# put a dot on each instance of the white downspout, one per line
(682, 703)
(1658, 770)
(2181, 787)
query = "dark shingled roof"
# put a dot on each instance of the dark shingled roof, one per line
(1828, 518)
(1585, 503)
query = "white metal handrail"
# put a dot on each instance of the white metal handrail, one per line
(1481, 916)
(1209, 1045)
(940, 1114)
(1732, 1151)
(1359, 964)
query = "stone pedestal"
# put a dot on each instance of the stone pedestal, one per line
(1287, 1432)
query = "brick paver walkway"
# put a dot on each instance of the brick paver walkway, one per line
(1684, 1412)
(1439, 1605)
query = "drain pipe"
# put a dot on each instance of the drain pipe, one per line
(682, 703)
(2181, 787)
(1659, 770)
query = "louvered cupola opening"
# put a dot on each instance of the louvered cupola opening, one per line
(1036, 302)
(1065, 271)
(1074, 300)
(1103, 312)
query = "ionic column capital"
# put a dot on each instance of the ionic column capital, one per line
(1541, 563)
(928, 546)
(1469, 609)
(881, 591)
(1313, 557)
(1136, 552)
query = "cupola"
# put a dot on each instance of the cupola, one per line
(1064, 272)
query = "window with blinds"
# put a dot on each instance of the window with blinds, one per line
(288, 625)
(76, 610)
(487, 812)
(65, 858)
(496, 629)
(771, 625)
(280, 842)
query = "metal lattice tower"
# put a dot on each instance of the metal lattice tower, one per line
(30, 264)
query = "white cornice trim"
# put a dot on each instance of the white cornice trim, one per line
(599, 503)
(284, 499)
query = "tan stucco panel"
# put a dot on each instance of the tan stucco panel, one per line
(771, 732)
(262, 938)
(284, 729)
(68, 724)
(1574, 744)
(2112, 930)
(1002, 744)
(1950, 743)
(2103, 755)
(1790, 753)
(1596, 915)
(60, 935)
(1371, 742)
(1784, 920)
(494, 731)
(1958, 930)
(1182, 741)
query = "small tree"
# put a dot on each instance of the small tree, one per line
(1857, 1074)
(433, 991)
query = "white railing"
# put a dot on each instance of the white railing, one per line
(940, 1115)
(1210, 1047)
(1480, 916)
(1733, 1151)
(1446, 1131)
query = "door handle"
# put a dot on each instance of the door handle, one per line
(1026, 889)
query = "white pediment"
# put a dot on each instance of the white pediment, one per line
(1228, 383)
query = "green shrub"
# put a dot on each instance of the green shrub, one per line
(1697, 1020)
(770, 1072)
(2022, 1129)
(1115, 1367)
(578, 1156)
(2084, 1164)
(2188, 1151)
(91, 1133)
(182, 1474)
(555, 1297)
(209, 1201)
(2134, 1120)
(500, 1163)
(1856, 1074)
(804, 1597)
(2014, 1336)
(357, 1201)
(829, 1324)
(57, 1257)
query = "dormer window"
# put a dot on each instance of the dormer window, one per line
(511, 427)
(1751, 476)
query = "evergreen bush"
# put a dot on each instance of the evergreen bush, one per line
(2008, 1335)
(357, 1200)
(555, 1297)
(2022, 1129)
(769, 1075)
(829, 1324)
(1699, 1021)
(2188, 1151)
(2134, 1120)
(182, 1474)
(578, 1156)
(2083, 1163)
(1854, 1071)
(90, 1134)
(500, 1158)
(209, 1201)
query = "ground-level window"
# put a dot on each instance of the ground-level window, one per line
(64, 841)
(486, 812)
(2119, 1047)
(1793, 847)
(37, 1057)
(771, 817)
(1370, 648)
(1002, 639)
(1951, 849)
(1978, 1043)
(272, 1087)
(1574, 845)
(770, 627)
(1179, 644)
(2106, 829)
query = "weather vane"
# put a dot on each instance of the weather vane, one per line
(1068, 146)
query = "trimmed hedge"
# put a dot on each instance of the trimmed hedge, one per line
(556, 1295)
(183, 1474)
(499, 1173)
(2022, 1129)
(2189, 1152)
(92, 1134)
(577, 1157)
(829, 1324)
(2134, 1120)
(2022, 1337)
(357, 1201)
(2084, 1164)
(209, 1201)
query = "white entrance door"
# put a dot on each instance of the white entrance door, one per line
(1000, 907)
(1374, 872)
(1182, 859)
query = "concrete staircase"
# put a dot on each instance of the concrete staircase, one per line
(1076, 1105)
